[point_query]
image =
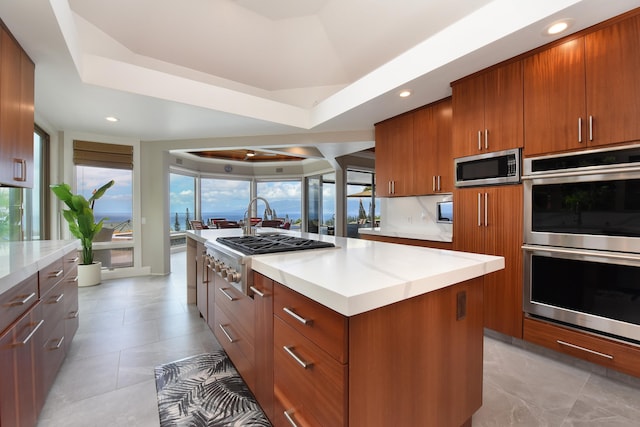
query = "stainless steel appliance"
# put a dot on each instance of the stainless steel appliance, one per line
(582, 240)
(498, 167)
(231, 256)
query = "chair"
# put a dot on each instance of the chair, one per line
(214, 221)
(227, 224)
(196, 225)
(276, 223)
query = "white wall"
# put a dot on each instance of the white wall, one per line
(417, 215)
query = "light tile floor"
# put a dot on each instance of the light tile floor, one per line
(129, 326)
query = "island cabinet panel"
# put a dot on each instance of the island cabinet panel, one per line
(488, 111)
(192, 268)
(612, 354)
(307, 379)
(394, 157)
(201, 279)
(16, 113)
(584, 92)
(234, 326)
(433, 374)
(432, 148)
(21, 389)
(323, 326)
(262, 290)
(489, 221)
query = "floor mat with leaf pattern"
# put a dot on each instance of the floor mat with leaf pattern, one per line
(205, 390)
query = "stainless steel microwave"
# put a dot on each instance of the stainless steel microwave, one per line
(498, 167)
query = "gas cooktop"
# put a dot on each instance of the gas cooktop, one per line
(256, 245)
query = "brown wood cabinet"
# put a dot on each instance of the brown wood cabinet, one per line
(413, 152)
(432, 148)
(584, 92)
(612, 354)
(394, 156)
(71, 309)
(16, 113)
(262, 291)
(489, 220)
(487, 111)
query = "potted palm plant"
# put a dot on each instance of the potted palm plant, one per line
(82, 225)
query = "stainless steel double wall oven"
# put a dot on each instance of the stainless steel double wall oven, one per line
(582, 240)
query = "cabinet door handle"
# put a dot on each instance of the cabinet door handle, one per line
(19, 170)
(580, 130)
(22, 301)
(288, 414)
(33, 331)
(479, 210)
(486, 139)
(73, 314)
(486, 209)
(296, 316)
(226, 294)
(479, 140)
(577, 347)
(56, 274)
(590, 128)
(389, 186)
(256, 291)
(433, 183)
(295, 357)
(57, 299)
(73, 260)
(226, 334)
(439, 183)
(58, 344)
(393, 187)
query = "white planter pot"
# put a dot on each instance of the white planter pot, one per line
(90, 275)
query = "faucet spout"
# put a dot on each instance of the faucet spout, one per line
(247, 230)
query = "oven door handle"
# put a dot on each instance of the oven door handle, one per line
(585, 252)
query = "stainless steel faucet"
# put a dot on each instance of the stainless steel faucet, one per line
(247, 230)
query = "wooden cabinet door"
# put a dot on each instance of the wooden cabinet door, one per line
(432, 149)
(503, 288)
(468, 116)
(468, 219)
(613, 86)
(394, 156)
(554, 99)
(263, 303)
(202, 281)
(503, 108)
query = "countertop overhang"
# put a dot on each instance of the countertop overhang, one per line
(362, 275)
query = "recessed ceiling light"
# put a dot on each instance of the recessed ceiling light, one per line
(405, 93)
(557, 27)
(111, 119)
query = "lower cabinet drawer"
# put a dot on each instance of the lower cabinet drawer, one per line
(309, 384)
(237, 346)
(17, 300)
(53, 353)
(53, 308)
(619, 356)
(50, 276)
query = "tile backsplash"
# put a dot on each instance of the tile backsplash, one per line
(416, 214)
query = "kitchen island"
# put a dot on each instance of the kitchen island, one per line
(363, 334)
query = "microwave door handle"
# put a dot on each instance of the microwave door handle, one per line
(479, 210)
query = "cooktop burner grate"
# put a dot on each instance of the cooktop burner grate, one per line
(256, 245)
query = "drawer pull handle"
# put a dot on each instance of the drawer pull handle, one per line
(297, 358)
(226, 334)
(56, 274)
(226, 294)
(28, 338)
(296, 316)
(73, 314)
(288, 414)
(58, 299)
(257, 292)
(577, 347)
(58, 344)
(73, 260)
(23, 301)
(74, 280)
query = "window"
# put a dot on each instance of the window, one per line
(362, 207)
(182, 201)
(285, 199)
(224, 198)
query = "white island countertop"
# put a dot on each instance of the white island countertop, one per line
(19, 260)
(362, 275)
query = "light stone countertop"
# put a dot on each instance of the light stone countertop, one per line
(19, 260)
(362, 275)
(406, 233)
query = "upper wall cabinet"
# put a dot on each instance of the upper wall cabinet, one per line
(16, 114)
(584, 92)
(413, 152)
(487, 111)
(394, 156)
